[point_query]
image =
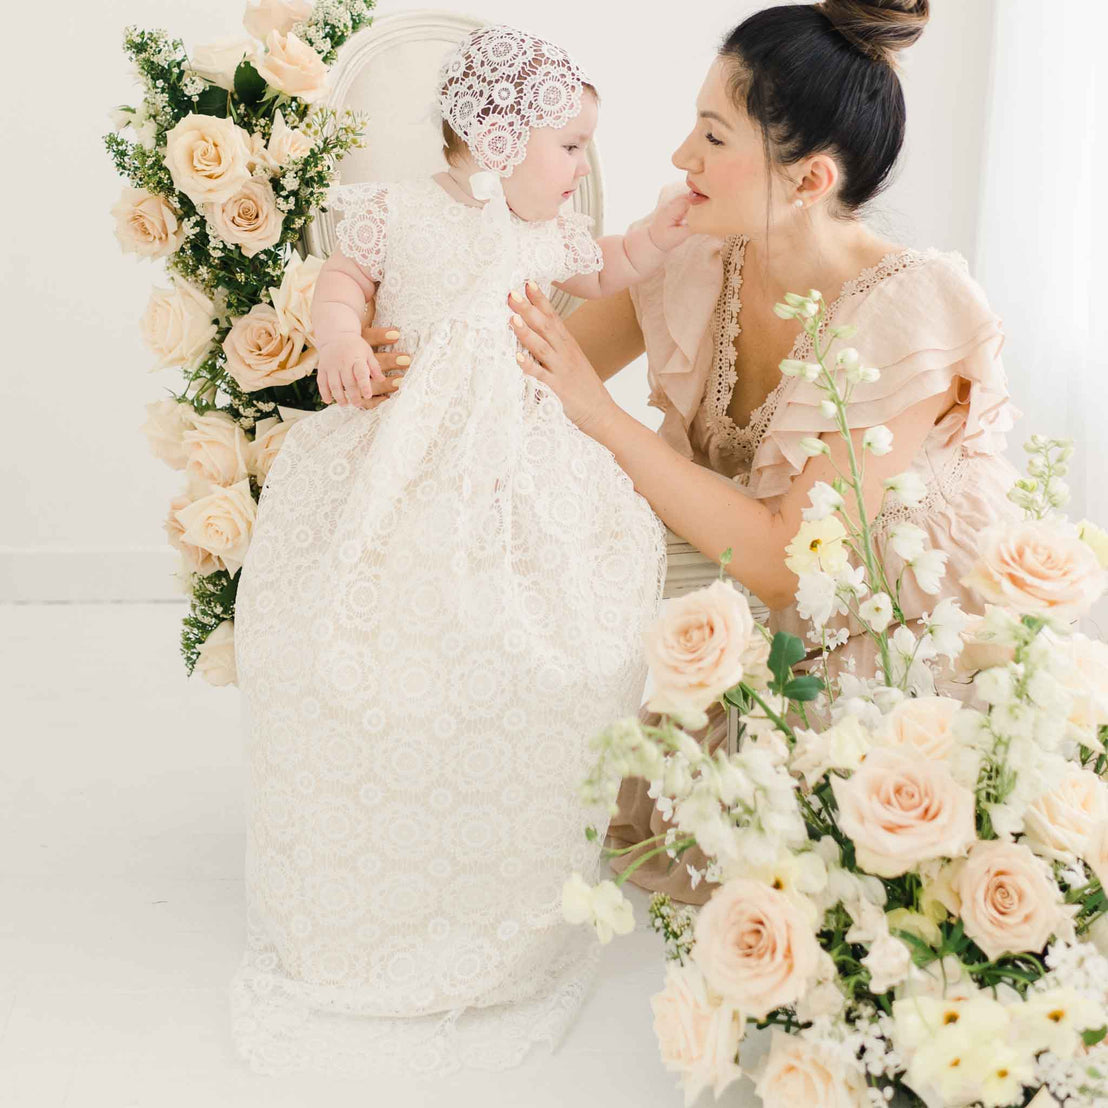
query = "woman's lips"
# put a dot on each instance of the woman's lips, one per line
(694, 196)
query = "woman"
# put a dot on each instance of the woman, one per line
(799, 124)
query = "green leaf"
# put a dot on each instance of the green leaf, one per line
(922, 954)
(737, 698)
(803, 688)
(212, 101)
(785, 651)
(1091, 1038)
(249, 83)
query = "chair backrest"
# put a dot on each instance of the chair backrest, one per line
(389, 70)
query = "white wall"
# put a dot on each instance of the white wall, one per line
(83, 499)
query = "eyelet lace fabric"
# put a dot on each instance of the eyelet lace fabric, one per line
(442, 602)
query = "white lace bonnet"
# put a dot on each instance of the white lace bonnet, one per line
(498, 84)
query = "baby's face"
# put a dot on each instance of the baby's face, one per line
(554, 166)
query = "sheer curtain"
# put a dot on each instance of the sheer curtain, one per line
(1042, 248)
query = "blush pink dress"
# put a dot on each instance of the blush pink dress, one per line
(924, 322)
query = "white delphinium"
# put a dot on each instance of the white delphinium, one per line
(909, 657)
(907, 540)
(907, 487)
(876, 612)
(604, 906)
(815, 597)
(929, 566)
(824, 499)
(878, 440)
(945, 626)
(841, 746)
(813, 447)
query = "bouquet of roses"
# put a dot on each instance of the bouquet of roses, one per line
(911, 887)
(232, 152)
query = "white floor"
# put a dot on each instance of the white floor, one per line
(120, 894)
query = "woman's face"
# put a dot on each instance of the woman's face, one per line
(725, 163)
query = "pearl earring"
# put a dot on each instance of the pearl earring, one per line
(798, 203)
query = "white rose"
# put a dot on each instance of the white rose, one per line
(165, 427)
(145, 224)
(1095, 538)
(292, 67)
(250, 219)
(698, 1037)
(269, 437)
(260, 354)
(922, 724)
(217, 61)
(293, 300)
(888, 963)
(275, 15)
(799, 1072)
(178, 325)
(1084, 673)
(1058, 824)
(286, 144)
(218, 448)
(221, 523)
(206, 156)
(216, 660)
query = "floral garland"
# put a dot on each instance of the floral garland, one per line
(911, 888)
(232, 154)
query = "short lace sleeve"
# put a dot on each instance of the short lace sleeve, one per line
(582, 252)
(362, 232)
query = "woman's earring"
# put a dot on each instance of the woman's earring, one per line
(798, 203)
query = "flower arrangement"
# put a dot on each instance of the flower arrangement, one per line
(230, 156)
(911, 888)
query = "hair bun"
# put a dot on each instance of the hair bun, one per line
(879, 28)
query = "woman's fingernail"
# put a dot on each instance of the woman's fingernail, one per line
(532, 287)
(403, 360)
(514, 297)
(517, 320)
(392, 336)
(521, 358)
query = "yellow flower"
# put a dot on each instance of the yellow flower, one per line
(1093, 536)
(818, 545)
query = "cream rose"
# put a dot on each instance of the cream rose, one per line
(292, 67)
(221, 523)
(1037, 567)
(217, 61)
(1084, 673)
(194, 559)
(269, 437)
(901, 810)
(697, 1036)
(979, 652)
(1096, 852)
(696, 648)
(178, 325)
(293, 300)
(1057, 824)
(755, 946)
(1009, 902)
(145, 224)
(250, 219)
(286, 144)
(924, 724)
(165, 427)
(275, 15)
(260, 354)
(802, 1073)
(206, 156)
(216, 660)
(218, 449)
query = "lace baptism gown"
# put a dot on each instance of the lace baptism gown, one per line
(443, 601)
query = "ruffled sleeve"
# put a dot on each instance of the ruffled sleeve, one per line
(581, 251)
(674, 307)
(921, 327)
(363, 231)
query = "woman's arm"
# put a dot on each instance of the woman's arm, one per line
(708, 512)
(608, 333)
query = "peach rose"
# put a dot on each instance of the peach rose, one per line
(293, 300)
(250, 219)
(922, 724)
(218, 449)
(697, 1036)
(221, 523)
(275, 15)
(1010, 904)
(901, 810)
(269, 436)
(206, 157)
(292, 67)
(260, 354)
(178, 325)
(216, 660)
(978, 652)
(145, 224)
(194, 559)
(802, 1073)
(1057, 825)
(165, 427)
(696, 648)
(217, 61)
(1037, 567)
(286, 144)
(755, 946)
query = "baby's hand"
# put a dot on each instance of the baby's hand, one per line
(347, 369)
(667, 224)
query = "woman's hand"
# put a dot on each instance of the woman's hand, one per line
(394, 364)
(555, 359)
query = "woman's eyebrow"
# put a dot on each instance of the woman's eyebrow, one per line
(716, 117)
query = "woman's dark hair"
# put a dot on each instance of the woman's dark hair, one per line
(822, 78)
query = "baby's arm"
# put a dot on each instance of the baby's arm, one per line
(347, 364)
(630, 258)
